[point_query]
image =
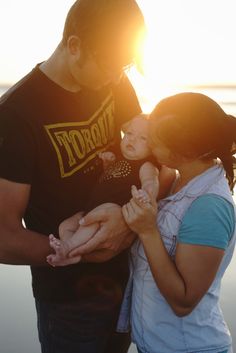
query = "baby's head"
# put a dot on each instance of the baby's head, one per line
(134, 145)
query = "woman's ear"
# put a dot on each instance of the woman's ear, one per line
(188, 157)
(178, 158)
(175, 157)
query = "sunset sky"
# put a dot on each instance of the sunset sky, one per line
(190, 41)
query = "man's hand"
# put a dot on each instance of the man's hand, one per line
(113, 233)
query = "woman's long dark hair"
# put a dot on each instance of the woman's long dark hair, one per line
(194, 125)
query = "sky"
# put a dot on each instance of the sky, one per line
(190, 42)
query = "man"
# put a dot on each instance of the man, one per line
(53, 124)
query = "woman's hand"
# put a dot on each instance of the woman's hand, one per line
(140, 213)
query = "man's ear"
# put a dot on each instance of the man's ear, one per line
(73, 44)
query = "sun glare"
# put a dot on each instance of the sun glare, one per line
(184, 46)
(150, 79)
(155, 78)
(188, 42)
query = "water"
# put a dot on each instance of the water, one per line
(18, 327)
(224, 95)
(18, 331)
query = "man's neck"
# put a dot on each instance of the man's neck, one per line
(56, 69)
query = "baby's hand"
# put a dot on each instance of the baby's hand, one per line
(107, 158)
(140, 195)
(60, 258)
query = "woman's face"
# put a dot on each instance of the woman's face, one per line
(162, 152)
(160, 149)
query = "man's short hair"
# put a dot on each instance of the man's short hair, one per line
(109, 29)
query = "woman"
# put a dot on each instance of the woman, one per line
(179, 261)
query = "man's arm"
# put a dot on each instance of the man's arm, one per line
(18, 245)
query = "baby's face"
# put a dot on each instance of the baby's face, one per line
(134, 144)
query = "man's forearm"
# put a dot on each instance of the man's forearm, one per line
(23, 247)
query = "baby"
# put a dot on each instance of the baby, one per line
(134, 166)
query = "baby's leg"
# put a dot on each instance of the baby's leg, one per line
(60, 257)
(85, 233)
(62, 248)
(69, 226)
(82, 235)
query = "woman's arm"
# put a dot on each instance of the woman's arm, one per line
(184, 280)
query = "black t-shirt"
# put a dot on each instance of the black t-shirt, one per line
(114, 184)
(50, 138)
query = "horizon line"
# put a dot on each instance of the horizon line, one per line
(213, 85)
(198, 86)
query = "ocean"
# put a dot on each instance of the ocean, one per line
(18, 327)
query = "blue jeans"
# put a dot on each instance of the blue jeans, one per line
(79, 328)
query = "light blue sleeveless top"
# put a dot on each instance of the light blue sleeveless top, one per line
(154, 326)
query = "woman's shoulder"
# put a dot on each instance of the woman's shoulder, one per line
(210, 220)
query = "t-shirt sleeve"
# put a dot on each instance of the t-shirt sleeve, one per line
(209, 221)
(16, 148)
(126, 102)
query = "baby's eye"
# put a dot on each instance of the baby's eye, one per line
(143, 138)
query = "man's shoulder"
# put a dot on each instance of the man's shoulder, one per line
(123, 84)
(18, 91)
